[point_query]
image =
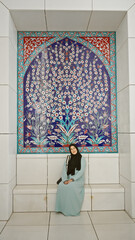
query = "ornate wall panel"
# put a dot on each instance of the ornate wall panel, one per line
(66, 92)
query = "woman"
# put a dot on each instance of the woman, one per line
(70, 193)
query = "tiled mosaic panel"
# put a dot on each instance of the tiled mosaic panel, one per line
(66, 92)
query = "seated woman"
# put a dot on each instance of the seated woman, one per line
(70, 192)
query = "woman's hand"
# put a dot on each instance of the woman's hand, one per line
(68, 181)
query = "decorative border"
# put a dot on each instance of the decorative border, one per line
(111, 68)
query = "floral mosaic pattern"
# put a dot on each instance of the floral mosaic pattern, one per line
(66, 92)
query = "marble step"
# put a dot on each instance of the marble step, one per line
(36, 198)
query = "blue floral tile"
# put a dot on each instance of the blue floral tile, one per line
(66, 92)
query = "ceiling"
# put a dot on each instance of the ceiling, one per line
(62, 20)
(71, 15)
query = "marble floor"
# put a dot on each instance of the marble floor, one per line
(102, 225)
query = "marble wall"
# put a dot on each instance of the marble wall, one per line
(126, 110)
(8, 99)
(100, 168)
(99, 10)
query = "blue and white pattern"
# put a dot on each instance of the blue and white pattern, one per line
(68, 97)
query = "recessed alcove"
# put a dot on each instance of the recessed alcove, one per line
(47, 16)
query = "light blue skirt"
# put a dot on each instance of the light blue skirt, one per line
(69, 198)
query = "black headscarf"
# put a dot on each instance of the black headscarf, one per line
(74, 162)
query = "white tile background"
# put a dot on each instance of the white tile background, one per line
(122, 54)
(116, 18)
(32, 170)
(103, 169)
(112, 5)
(105, 20)
(122, 33)
(8, 98)
(68, 5)
(4, 18)
(123, 110)
(100, 168)
(131, 18)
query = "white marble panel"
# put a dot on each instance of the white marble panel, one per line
(4, 146)
(60, 219)
(12, 67)
(51, 199)
(133, 199)
(110, 217)
(122, 67)
(131, 60)
(132, 147)
(32, 170)
(30, 189)
(55, 166)
(124, 153)
(30, 156)
(4, 198)
(29, 202)
(105, 20)
(132, 108)
(107, 197)
(25, 232)
(4, 60)
(123, 110)
(115, 231)
(107, 188)
(12, 155)
(69, 5)
(12, 33)
(29, 20)
(131, 20)
(4, 109)
(29, 219)
(31, 4)
(86, 206)
(4, 21)
(56, 161)
(107, 201)
(73, 231)
(104, 169)
(8, 63)
(12, 111)
(67, 20)
(11, 186)
(86, 157)
(122, 33)
(128, 197)
(109, 5)
(2, 225)
(7, 158)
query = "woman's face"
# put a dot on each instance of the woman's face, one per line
(73, 150)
